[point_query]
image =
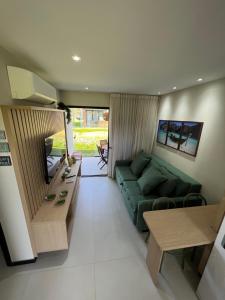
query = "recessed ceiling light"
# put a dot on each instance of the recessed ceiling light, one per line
(174, 88)
(159, 93)
(199, 79)
(86, 88)
(76, 58)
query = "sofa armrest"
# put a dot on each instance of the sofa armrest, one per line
(123, 162)
(144, 205)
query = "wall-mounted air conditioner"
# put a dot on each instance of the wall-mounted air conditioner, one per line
(28, 86)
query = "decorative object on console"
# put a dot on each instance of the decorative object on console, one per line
(70, 161)
(63, 177)
(73, 159)
(180, 135)
(60, 202)
(66, 173)
(63, 193)
(50, 197)
(2, 135)
(76, 156)
(4, 147)
(68, 169)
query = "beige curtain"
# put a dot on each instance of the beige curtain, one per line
(132, 126)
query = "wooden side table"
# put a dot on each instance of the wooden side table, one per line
(177, 229)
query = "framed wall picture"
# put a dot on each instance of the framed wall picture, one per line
(190, 137)
(162, 132)
(173, 134)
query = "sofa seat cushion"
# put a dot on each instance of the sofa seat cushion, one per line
(134, 194)
(139, 163)
(124, 173)
(149, 181)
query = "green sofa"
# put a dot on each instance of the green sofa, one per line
(137, 202)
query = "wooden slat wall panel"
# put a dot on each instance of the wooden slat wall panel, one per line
(37, 128)
(21, 155)
(33, 151)
(28, 153)
(31, 126)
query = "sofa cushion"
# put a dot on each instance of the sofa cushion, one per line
(134, 194)
(150, 180)
(125, 173)
(150, 165)
(195, 186)
(182, 188)
(166, 188)
(139, 163)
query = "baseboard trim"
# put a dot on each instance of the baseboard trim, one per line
(6, 253)
(21, 262)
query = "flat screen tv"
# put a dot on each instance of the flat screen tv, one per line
(55, 153)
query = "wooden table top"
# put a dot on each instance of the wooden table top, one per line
(182, 227)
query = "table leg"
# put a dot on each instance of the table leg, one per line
(205, 256)
(154, 259)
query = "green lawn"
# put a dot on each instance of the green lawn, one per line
(85, 141)
(87, 138)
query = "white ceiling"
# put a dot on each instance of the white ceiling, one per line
(141, 46)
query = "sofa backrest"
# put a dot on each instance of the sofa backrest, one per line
(195, 185)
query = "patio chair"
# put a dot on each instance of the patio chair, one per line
(103, 156)
(103, 143)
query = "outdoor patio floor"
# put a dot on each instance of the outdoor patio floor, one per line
(90, 167)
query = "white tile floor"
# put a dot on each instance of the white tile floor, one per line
(90, 167)
(106, 259)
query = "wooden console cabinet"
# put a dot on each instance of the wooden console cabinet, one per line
(52, 224)
(23, 130)
(30, 224)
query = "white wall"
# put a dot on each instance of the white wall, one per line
(7, 59)
(12, 216)
(86, 99)
(212, 283)
(203, 103)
